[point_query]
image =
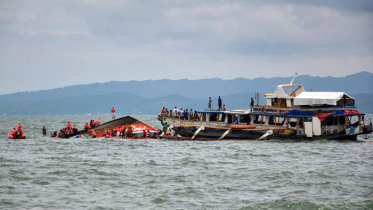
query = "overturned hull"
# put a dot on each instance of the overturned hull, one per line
(121, 124)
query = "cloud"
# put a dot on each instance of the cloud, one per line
(98, 41)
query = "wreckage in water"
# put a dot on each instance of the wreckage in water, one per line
(138, 129)
(290, 113)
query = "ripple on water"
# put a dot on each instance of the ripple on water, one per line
(45, 173)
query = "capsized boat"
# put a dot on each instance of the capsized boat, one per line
(290, 113)
(121, 124)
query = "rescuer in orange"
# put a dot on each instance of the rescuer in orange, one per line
(86, 127)
(113, 113)
(75, 128)
(68, 125)
(94, 134)
(98, 121)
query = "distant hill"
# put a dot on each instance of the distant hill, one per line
(148, 97)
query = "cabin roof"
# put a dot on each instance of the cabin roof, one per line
(280, 91)
(321, 98)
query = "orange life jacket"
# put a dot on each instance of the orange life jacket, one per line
(19, 127)
(112, 110)
(86, 125)
(68, 125)
(98, 121)
(93, 133)
(75, 127)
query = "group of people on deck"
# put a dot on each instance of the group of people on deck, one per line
(190, 115)
(220, 103)
(17, 132)
(181, 114)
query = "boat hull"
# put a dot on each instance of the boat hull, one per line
(22, 136)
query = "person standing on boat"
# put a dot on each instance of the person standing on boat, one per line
(220, 102)
(44, 131)
(98, 122)
(210, 103)
(176, 111)
(113, 113)
(251, 105)
(224, 108)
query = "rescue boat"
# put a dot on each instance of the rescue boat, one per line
(21, 136)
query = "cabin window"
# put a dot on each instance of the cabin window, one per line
(256, 119)
(264, 119)
(244, 118)
(213, 117)
(329, 121)
(335, 122)
(280, 121)
(203, 116)
(271, 120)
(222, 117)
(300, 123)
(230, 118)
(342, 120)
(274, 101)
(293, 122)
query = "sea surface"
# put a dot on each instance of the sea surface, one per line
(45, 173)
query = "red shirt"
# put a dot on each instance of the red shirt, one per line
(112, 110)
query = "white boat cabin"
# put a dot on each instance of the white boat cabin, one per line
(294, 96)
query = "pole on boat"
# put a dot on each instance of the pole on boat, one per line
(225, 133)
(269, 132)
(197, 132)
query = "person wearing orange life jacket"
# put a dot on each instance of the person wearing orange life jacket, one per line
(14, 132)
(108, 135)
(19, 126)
(113, 113)
(75, 128)
(94, 135)
(68, 125)
(98, 122)
(93, 124)
(86, 127)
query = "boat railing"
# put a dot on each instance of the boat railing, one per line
(269, 109)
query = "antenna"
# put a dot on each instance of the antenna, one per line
(295, 75)
(293, 78)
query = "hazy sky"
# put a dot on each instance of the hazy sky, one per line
(46, 44)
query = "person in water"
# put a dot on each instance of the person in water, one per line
(220, 102)
(44, 131)
(113, 113)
